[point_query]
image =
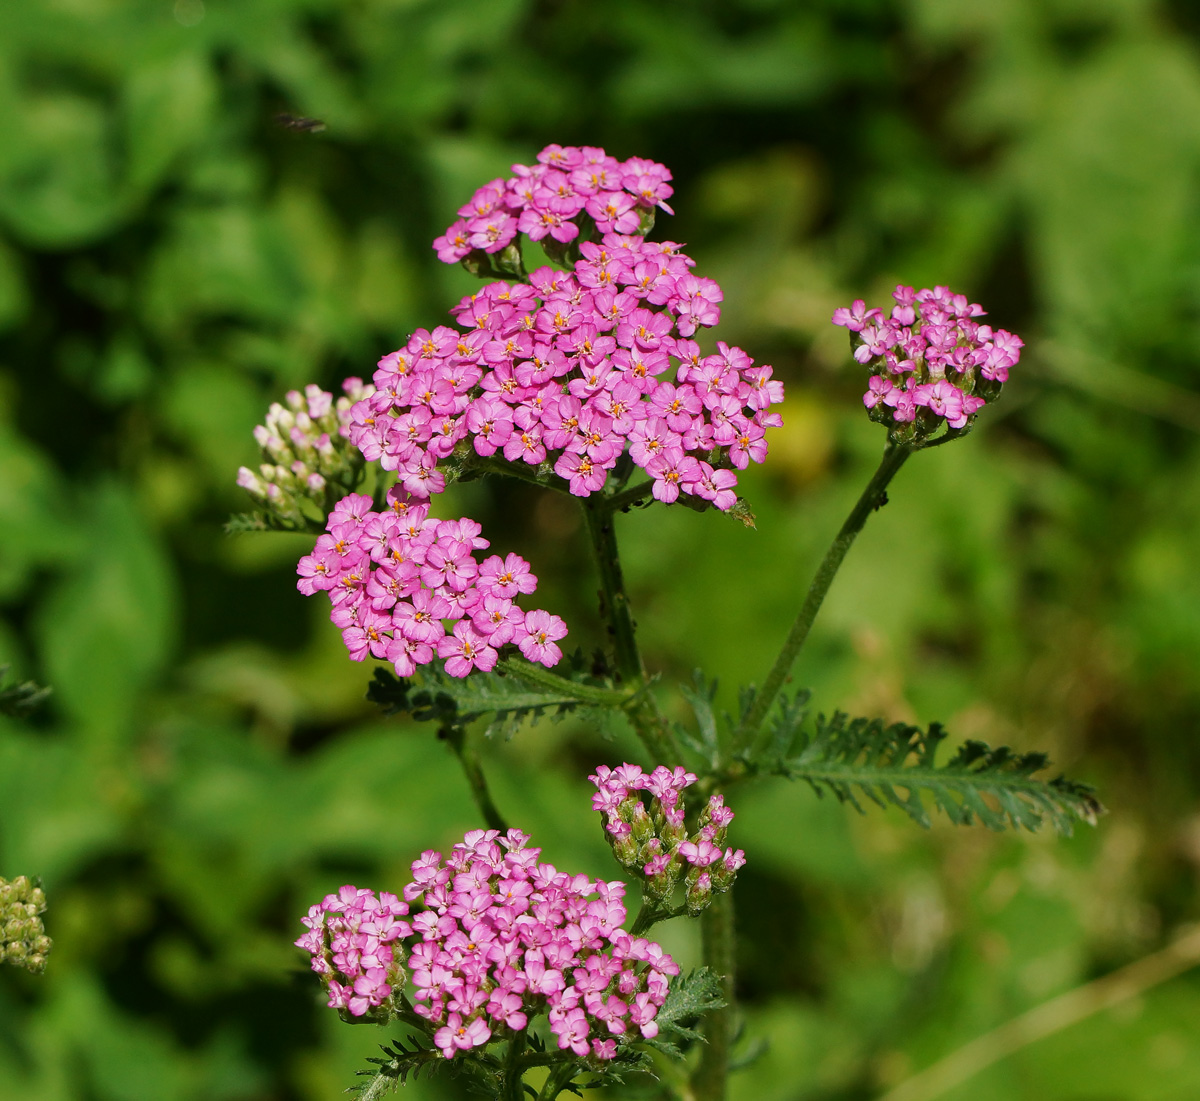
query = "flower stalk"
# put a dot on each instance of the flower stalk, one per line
(870, 500)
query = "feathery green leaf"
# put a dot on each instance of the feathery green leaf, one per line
(896, 765)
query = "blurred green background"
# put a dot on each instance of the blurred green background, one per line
(171, 260)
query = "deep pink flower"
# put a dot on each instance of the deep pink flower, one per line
(542, 631)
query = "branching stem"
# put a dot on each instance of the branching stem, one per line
(872, 497)
(472, 768)
(643, 711)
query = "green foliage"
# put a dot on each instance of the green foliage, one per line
(19, 700)
(690, 997)
(509, 694)
(394, 1069)
(171, 259)
(993, 786)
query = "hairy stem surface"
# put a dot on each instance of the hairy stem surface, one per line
(717, 943)
(472, 768)
(871, 499)
(643, 712)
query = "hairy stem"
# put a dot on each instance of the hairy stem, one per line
(717, 944)
(631, 496)
(472, 768)
(643, 711)
(539, 675)
(871, 499)
(514, 1089)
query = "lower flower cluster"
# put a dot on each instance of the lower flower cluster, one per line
(397, 577)
(499, 939)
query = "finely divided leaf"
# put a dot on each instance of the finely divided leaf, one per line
(689, 998)
(432, 695)
(394, 1069)
(896, 765)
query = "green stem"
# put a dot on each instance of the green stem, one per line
(473, 770)
(612, 587)
(514, 1089)
(539, 675)
(523, 472)
(642, 710)
(556, 1082)
(871, 499)
(717, 945)
(650, 914)
(631, 496)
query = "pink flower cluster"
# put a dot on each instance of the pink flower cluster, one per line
(500, 939)
(654, 840)
(929, 355)
(567, 371)
(351, 937)
(396, 578)
(546, 198)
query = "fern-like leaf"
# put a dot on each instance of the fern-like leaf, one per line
(688, 999)
(506, 694)
(895, 765)
(706, 742)
(393, 1070)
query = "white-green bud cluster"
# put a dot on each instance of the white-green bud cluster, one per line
(23, 940)
(306, 451)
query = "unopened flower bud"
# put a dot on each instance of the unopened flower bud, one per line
(23, 940)
(699, 892)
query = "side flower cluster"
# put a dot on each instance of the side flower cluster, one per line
(653, 841)
(397, 578)
(499, 939)
(306, 450)
(932, 362)
(23, 940)
(547, 199)
(568, 371)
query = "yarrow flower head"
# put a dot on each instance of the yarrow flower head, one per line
(23, 940)
(406, 587)
(495, 939)
(931, 362)
(574, 377)
(652, 841)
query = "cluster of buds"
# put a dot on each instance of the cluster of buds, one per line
(653, 841)
(306, 451)
(932, 363)
(497, 939)
(23, 940)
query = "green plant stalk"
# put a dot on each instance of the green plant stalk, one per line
(632, 496)
(871, 499)
(643, 711)
(473, 770)
(557, 1081)
(539, 675)
(717, 945)
(514, 1086)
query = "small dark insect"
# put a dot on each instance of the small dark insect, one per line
(296, 122)
(883, 500)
